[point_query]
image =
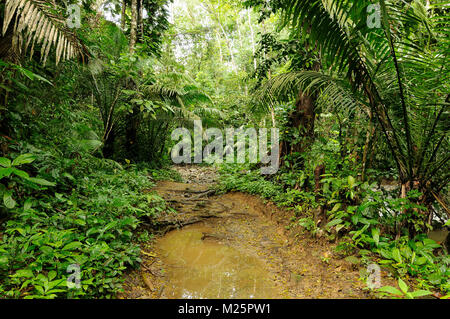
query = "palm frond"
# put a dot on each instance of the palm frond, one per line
(36, 23)
(332, 91)
(182, 98)
(400, 70)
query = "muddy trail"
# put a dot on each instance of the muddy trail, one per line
(234, 246)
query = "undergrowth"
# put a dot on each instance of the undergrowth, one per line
(362, 220)
(80, 223)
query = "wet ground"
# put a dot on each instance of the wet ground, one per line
(235, 246)
(205, 267)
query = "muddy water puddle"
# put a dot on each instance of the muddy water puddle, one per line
(234, 246)
(198, 266)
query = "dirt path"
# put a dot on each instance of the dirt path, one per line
(235, 246)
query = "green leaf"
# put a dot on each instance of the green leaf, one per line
(27, 273)
(391, 290)
(90, 145)
(91, 231)
(376, 235)
(23, 159)
(430, 243)
(31, 75)
(396, 255)
(72, 246)
(51, 274)
(41, 181)
(28, 204)
(39, 289)
(46, 249)
(20, 173)
(3, 260)
(420, 293)
(334, 222)
(129, 92)
(8, 200)
(351, 181)
(5, 172)
(67, 175)
(353, 260)
(420, 261)
(339, 227)
(5, 162)
(403, 286)
(336, 208)
(80, 222)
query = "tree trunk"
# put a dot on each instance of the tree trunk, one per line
(108, 147)
(131, 134)
(140, 24)
(367, 146)
(123, 18)
(304, 118)
(319, 215)
(220, 47)
(252, 34)
(133, 30)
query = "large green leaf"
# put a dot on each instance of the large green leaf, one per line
(41, 181)
(420, 293)
(5, 162)
(397, 255)
(27, 273)
(334, 222)
(20, 173)
(23, 159)
(376, 235)
(5, 172)
(351, 181)
(391, 290)
(73, 245)
(8, 200)
(403, 286)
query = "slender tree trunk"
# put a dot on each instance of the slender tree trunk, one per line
(252, 34)
(228, 40)
(367, 146)
(320, 214)
(238, 25)
(108, 146)
(272, 110)
(131, 134)
(133, 30)
(133, 118)
(230, 46)
(220, 47)
(123, 17)
(140, 20)
(272, 114)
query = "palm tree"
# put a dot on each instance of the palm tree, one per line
(399, 72)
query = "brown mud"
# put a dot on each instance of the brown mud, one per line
(235, 246)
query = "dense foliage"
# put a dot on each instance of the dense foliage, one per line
(359, 92)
